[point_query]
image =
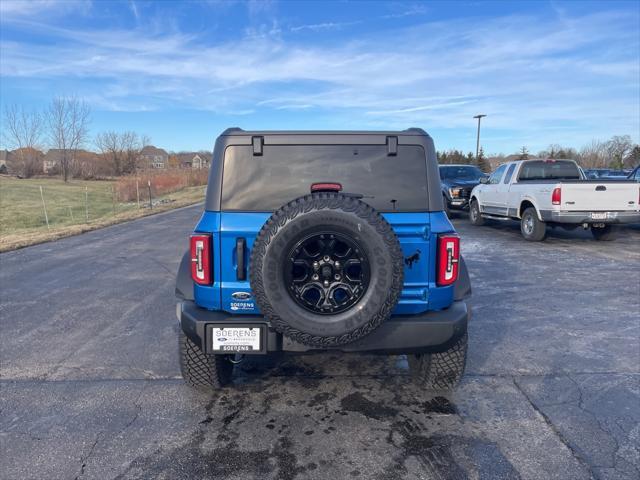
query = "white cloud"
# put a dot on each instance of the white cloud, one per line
(323, 26)
(527, 74)
(134, 9)
(27, 8)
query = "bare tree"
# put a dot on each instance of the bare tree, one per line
(131, 145)
(594, 154)
(23, 131)
(618, 148)
(68, 125)
(121, 150)
(633, 158)
(109, 145)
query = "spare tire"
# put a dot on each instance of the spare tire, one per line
(326, 269)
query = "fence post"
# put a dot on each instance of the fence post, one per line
(150, 200)
(71, 213)
(113, 199)
(138, 192)
(44, 207)
(86, 203)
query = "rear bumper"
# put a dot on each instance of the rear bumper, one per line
(585, 217)
(429, 332)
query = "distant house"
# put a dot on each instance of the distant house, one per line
(194, 160)
(201, 160)
(78, 161)
(153, 157)
(51, 160)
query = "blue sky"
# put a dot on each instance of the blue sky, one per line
(181, 72)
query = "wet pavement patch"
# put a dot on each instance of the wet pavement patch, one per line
(439, 405)
(356, 402)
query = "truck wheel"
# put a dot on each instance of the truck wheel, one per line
(326, 269)
(440, 371)
(603, 234)
(200, 370)
(474, 214)
(531, 227)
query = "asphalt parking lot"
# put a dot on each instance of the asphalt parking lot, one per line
(90, 385)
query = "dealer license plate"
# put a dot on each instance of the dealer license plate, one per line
(235, 339)
(599, 215)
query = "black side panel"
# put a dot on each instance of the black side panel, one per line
(184, 284)
(241, 273)
(462, 288)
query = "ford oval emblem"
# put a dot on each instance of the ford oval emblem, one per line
(241, 295)
(222, 339)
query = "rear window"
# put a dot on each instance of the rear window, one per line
(549, 170)
(285, 172)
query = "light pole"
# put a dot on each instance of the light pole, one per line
(478, 137)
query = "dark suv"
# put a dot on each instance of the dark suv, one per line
(316, 241)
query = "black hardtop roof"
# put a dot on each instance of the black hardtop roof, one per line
(235, 131)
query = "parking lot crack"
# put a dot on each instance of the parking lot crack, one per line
(557, 433)
(85, 458)
(138, 406)
(601, 426)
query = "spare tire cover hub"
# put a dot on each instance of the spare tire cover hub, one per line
(327, 272)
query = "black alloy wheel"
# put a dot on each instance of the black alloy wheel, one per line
(327, 273)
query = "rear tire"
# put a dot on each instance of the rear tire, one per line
(474, 214)
(440, 371)
(200, 370)
(531, 227)
(603, 234)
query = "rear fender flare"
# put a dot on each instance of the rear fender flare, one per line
(462, 287)
(533, 202)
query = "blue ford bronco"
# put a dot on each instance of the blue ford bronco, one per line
(323, 241)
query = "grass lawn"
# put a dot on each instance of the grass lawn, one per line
(22, 218)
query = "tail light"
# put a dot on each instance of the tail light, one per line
(326, 187)
(556, 196)
(201, 259)
(448, 259)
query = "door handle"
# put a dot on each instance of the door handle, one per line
(241, 272)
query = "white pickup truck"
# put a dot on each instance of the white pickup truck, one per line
(555, 192)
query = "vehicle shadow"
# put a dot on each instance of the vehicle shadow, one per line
(557, 232)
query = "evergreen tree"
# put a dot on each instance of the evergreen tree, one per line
(482, 161)
(524, 154)
(470, 158)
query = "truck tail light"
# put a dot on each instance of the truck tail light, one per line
(201, 259)
(448, 259)
(556, 196)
